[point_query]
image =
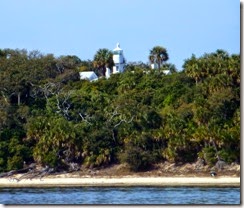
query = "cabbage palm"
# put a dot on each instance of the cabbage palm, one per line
(192, 68)
(158, 55)
(102, 59)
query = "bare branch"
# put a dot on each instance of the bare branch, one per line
(124, 120)
(115, 113)
(63, 105)
(84, 119)
(49, 89)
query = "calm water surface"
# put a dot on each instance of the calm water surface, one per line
(119, 195)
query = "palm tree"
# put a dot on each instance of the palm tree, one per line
(158, 55)
(102, 59)
(193, 68)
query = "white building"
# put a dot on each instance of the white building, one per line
(119, 60)
(88, 75)
(119, 66)
(155, 66)
(108, 72)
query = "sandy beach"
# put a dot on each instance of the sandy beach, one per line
(66, 181)
(117, 175)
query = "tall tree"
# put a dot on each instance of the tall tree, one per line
(158, 55)
(102, 59)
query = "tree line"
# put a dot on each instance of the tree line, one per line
(140, 117)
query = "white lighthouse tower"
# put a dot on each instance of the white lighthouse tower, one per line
(119, 60)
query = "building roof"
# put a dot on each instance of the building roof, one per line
(88, 75)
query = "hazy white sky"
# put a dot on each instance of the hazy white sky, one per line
(81, 27)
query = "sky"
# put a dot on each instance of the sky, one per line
(81, 27)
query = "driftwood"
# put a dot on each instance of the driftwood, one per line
(12, 172)
(30, 172)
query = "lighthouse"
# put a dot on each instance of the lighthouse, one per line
(119, 60)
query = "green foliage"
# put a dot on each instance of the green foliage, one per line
(13, 150)
(139, 117)
(158, 55)
(56, 140)
(102, 59)
(229, 155)
(210, 156)
(50, 159)
(136, 158)
(15, 163)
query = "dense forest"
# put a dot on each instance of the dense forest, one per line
(50, 117)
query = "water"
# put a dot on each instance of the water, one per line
(121, 195)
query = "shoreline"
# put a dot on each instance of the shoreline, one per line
(125, 181)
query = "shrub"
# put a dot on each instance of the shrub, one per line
(210, 155)
(136, 158)
(15, 163)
